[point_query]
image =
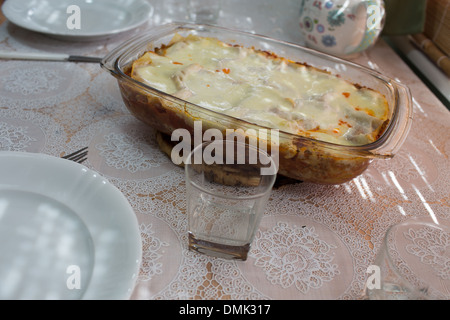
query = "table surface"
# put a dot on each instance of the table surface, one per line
(323, 238)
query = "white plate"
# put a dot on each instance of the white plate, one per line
(98, 18)
(65, 232)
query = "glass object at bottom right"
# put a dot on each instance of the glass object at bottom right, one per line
(413, 263)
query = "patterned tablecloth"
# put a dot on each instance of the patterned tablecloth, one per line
(315, 242)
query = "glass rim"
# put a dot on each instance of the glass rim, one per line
(271, 177)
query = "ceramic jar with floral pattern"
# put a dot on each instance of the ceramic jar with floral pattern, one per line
(341, 27)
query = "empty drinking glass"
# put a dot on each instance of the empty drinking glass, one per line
(228, 185)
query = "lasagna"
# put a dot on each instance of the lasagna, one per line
(264, 89)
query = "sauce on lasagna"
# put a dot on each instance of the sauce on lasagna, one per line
(264, 89)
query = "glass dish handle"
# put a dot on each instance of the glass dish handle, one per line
(402, 123)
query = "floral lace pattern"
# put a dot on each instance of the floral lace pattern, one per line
(14, 138)
(25, 130)
(39, 84)
(432, 247)
(294, 256)
(31, 81)
(125, 151)
(152, 254)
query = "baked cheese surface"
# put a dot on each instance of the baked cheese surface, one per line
(264, 89)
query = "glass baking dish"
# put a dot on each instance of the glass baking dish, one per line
(300, 158)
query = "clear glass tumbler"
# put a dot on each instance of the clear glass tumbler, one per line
(413, 263)
(228, 184)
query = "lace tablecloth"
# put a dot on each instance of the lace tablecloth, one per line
(315, 242)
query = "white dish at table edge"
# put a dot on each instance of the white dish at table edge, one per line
(98, 18)
(87, 197)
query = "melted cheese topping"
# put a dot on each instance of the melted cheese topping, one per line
(261, 88)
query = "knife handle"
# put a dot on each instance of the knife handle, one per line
(12, 55)
(33, 56)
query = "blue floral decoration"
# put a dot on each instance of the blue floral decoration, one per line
(329, 41)
(329, 4)
(320, 28)
(336, 18)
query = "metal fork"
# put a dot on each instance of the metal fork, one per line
(78, 156)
